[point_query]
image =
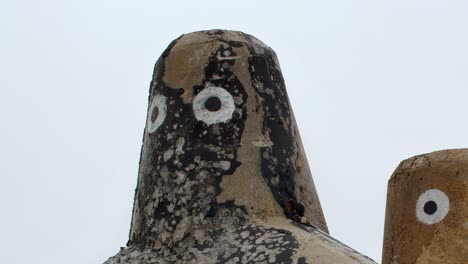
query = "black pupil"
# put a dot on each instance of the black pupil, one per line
(430, 207)
(154, 114)
(213, 104)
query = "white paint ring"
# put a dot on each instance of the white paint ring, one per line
(159, 102)
(442, 206)
(224, 114)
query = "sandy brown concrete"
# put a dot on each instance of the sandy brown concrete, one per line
(427, 210)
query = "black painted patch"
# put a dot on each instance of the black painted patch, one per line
(213, 104)
(266, 245)
(302, 260)
(154, 114)
(430, 207)
(276, 161)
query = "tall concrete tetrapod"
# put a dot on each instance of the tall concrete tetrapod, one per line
(427, 210)
(223, 177)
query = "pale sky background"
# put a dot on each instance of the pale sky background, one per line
(371, 83)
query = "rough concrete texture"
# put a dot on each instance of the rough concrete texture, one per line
(223, 176)
(427, 210)
(275, 240)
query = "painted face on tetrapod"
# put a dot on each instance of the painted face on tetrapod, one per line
(209, 128)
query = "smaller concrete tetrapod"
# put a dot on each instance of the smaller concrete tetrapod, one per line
(427, 210)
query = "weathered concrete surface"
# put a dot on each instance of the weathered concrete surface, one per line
(276, 240)
(223, 177)
(427, 210)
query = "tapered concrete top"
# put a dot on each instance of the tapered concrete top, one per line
(220, 135)
(223, 176)
(427, 210)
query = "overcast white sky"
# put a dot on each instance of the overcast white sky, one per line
(371, 83)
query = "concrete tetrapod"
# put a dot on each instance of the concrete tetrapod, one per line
(427, 210)
(223, 176)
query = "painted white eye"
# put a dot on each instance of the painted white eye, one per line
(432, 206)
(213, 105)
(156, 113)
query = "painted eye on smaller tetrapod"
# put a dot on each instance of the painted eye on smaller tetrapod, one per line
(213, 105)
(432, 207)
(156, 113)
